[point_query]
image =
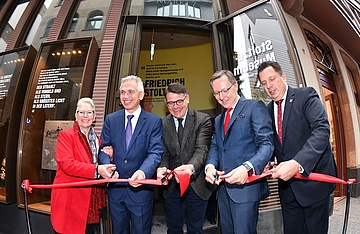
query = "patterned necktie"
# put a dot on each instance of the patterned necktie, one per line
(128, 130)
(279, 118)
(180, 130)
(227, 119)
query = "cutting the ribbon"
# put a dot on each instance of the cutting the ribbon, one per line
(183, 178)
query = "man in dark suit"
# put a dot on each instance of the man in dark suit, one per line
(135, 136)
(185, 151)
(242, 144)
(302, 147)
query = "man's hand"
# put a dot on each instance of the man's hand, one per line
(138, 175)
(187, 168)
(286, 170)
(109, 151)
(238, 175)
(212, 175)
(106, 170)
(161, 173)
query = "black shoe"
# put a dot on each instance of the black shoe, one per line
(212, 221)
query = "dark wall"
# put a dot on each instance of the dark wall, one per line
(13, 220)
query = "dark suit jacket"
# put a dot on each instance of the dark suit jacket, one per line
(194, 148)
(249, 138)
(305, 137)
(144, 152)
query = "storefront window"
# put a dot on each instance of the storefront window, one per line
(250, 38)
(179, 56)
(59, 80)
(11, 24)
(15, 69)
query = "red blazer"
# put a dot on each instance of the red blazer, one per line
(70, 206)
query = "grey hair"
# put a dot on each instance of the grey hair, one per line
(85, 100)
(221, 73)
(140, 85)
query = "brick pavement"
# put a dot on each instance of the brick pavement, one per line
(337, 219)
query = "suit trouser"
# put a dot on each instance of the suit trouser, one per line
(235, 217)
(304, 220)
(189, 206)
(125, 209)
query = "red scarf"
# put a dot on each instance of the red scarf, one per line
(98, 196)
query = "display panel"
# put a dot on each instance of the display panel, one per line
(15, 69)
(64, 72)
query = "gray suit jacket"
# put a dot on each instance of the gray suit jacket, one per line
(194, 148)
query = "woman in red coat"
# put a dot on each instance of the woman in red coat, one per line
(77, 210)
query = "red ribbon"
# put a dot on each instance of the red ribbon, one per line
(183, 178)
(312, 176)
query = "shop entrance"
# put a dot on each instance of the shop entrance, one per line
(332, 108)
(161, 54)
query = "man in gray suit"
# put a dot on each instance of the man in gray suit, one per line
(186, 138)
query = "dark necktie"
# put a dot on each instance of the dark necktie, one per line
(128, 130)
(180, 130)
(279, 118)
(227, 119)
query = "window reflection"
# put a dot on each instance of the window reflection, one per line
(88, 20)
(182, 10)
(58, 81)
(204, 10)
(94, 21)
(11, 24)
(41, 27)
(74, 22)
(252, 37)
(48, 27)
(60, 3)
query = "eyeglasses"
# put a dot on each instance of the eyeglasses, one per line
(83, 113)
(178, 102)
(224, 91)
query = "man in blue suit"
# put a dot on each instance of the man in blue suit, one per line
(241, 145)
(136, 138)
(303, 146)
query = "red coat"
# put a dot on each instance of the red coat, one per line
(70, 206)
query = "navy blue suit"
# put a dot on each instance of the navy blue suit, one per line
(144, 153)
(249, 138)
(305, 134)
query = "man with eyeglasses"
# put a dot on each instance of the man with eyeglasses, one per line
(186, 138)
(242, 145)
(136, 138)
